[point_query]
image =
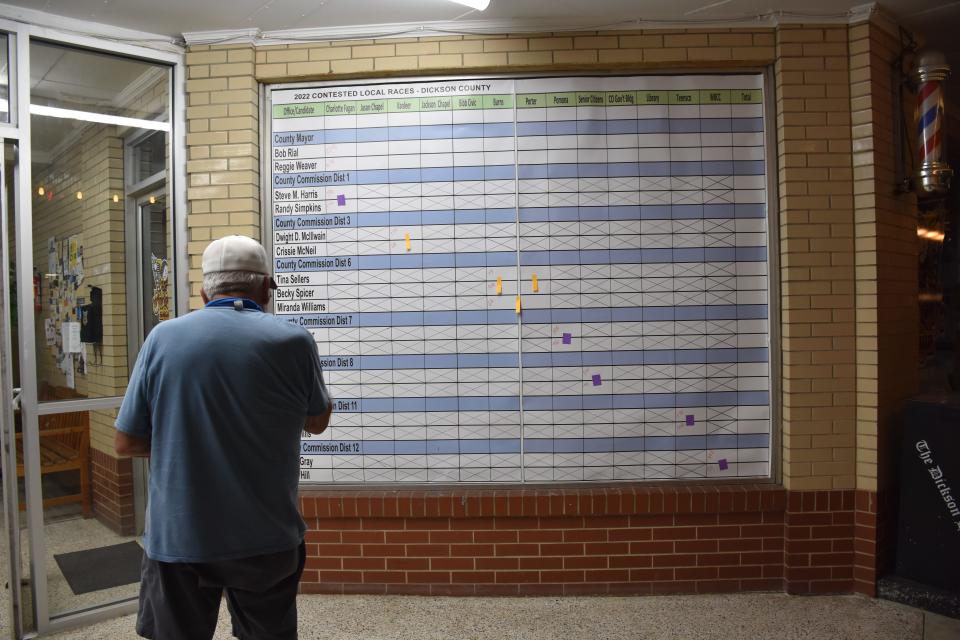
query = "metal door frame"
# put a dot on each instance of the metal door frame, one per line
(18, 129)
(8, 402)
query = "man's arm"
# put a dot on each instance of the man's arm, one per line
(318, 424)
(128, 445)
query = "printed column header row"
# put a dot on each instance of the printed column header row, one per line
(524, 101)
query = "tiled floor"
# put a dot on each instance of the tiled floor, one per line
(65, 531)
(726, 617)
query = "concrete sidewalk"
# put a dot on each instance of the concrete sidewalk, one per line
(711, 617)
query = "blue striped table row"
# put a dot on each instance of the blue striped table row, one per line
(523, 171)
(530, 316)
(552, 403)
(523, 129)
(534, 445)
(538, 359)
(726, 211)
(531, 258)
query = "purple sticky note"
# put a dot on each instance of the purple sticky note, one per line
(723, 464)
(341, 200)
(596, 379)
(567, 338)
(689, 420)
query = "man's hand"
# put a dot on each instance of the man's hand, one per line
(128, 445)
(318, 424)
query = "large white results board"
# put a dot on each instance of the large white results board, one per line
(529, 280)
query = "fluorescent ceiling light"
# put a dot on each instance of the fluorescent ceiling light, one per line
(479, 5)
(103, 118)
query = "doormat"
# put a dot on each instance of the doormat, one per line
(102, 568)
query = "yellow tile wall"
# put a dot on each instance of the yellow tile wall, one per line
(886, 254)
(223, 150)
(816, 254)
(814, 167)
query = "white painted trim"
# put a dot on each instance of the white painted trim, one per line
(770, 19)
(86, 28)
(222, 36)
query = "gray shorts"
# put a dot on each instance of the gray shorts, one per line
(181, 600)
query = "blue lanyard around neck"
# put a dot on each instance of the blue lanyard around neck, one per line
(245, 303)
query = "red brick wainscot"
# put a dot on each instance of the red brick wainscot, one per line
(579, 540)
(112, 480)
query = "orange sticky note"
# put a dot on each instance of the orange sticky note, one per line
(518, 304)
(406, 240)
(536, 283)
(499, 285)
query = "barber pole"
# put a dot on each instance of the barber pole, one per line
(930, 72)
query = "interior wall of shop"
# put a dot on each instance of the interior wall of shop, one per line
(91, 161)
(848, 318)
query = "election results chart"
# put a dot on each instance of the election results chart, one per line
(529, 279)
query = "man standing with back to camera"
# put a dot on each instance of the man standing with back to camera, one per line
(218, 399)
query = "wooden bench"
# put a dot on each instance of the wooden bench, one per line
(64, 446)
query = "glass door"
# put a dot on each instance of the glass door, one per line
(85, 107)
(16, 615)
(75, 241)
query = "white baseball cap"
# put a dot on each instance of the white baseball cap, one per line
(235, 253)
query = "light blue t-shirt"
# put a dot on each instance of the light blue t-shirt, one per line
(223, 395)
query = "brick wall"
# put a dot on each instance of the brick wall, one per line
(818, 541)
(887, 247)
(639, 540)
(816, 253)
(223, 151)
(113, 492)
(886, 291)
(815, 529)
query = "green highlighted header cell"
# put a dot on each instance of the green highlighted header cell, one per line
(305, 110)
(621, 98)
(367, 107)
(436, 104)
(562, 99)
(683, 97)
(498, 102)
(403, 105)
(587, 99)
(746, 96)
(651, 97)
(715, 96)
(340, 108)
(531, 101)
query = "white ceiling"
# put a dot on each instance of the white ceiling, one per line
(938, 20)
(55, 75)
(174, 17)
